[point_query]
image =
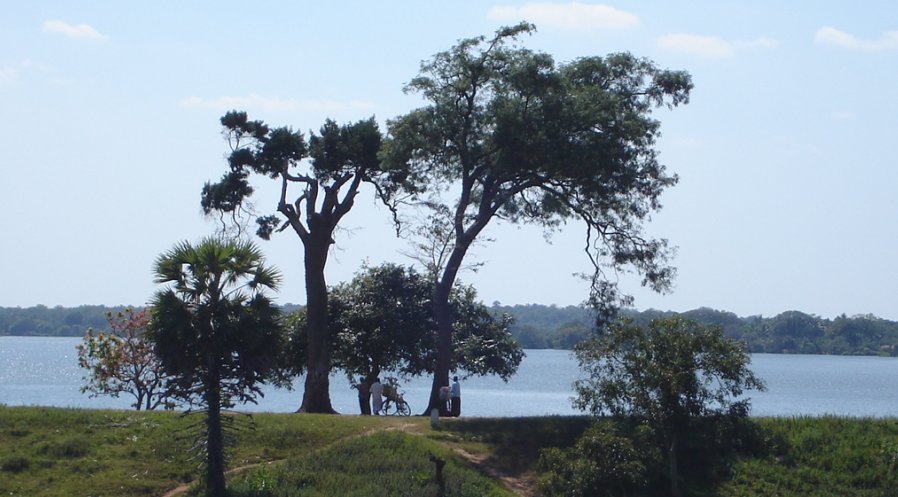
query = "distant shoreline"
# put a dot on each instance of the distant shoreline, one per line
(539, 326)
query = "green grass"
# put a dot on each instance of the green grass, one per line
(819, 457)
(384, 464)
(64, 452)
(47, 451)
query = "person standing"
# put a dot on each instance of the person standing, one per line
(377, 395)
(455, 397)
(364, 397)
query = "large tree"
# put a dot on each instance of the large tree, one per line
(382, 321)
(314, 196)
(507, 133)
(216, 332)
(670, 374)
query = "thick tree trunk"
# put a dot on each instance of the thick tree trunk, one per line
(215, 464)
(316, 397)
(443, 314)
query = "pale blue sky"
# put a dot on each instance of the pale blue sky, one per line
(787, 156)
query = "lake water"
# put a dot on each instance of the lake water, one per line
(44, 371)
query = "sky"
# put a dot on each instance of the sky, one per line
(786, 153)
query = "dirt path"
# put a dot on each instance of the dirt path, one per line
(180, 489)
(522, 485)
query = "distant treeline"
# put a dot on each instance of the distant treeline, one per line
(550, 327)
(791, 332)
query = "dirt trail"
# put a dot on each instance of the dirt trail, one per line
(522, 485)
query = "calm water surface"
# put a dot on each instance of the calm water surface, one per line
(44, 371)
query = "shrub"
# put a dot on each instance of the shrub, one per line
(603, 463)
(15, 464)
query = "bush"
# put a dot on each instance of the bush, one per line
(603, 463)
(15, 464)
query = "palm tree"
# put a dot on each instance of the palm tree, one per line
(216, 332)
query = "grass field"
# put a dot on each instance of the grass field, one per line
(66, 452)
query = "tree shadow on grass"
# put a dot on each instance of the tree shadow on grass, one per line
(706, 458)
(516, 442)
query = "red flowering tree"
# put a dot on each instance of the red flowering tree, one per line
(122, 361)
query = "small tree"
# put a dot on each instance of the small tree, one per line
(216, 332)
(670, 373)
(383, 321)
(122, 361)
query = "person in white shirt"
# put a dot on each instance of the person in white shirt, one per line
(455, 397)
(377, 396)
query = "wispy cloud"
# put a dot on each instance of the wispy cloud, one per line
(574, 15)
(844, 116)
(82, 31)
(832, 36)
(255, 101)
(712, 46)
(13, 72)
(8, 74)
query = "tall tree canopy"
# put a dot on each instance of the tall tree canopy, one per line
(510, 134)
(314, 196)
(216, 332)
(383, 320)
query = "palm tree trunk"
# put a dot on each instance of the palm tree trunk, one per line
(215, 465)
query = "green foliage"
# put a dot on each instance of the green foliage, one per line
(671, 373)
(214, 324)
(508, 133)
(341, 156)
(666, 372)
(53, 321)
(216, 333)
(379, 322)
(603, 463)
(529, 140)
(123, 361)
(383, 321)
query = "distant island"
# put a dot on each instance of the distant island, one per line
(539, 326)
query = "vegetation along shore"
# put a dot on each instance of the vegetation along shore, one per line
(537, 326)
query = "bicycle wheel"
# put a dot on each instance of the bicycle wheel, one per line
(402, 409)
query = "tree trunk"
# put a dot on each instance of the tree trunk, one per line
(215, 465)
(316, 397)
(673, 466)
(443, 314)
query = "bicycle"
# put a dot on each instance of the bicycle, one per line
(394, 404)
